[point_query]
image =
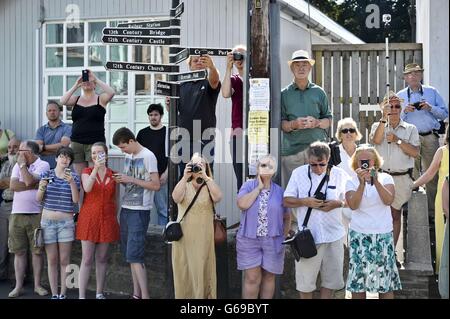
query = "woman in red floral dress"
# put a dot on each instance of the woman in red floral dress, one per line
(97, 223)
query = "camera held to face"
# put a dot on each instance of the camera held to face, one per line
(194, 168)
(238, 56)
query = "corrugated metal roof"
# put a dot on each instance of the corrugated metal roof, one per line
(319, 21)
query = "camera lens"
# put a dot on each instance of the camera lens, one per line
(196, 169)
(237, 56)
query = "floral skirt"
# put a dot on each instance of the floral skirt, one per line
(372, 266)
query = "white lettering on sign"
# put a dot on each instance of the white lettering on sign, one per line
(112, 39)
(117, 66)
(132, 32)
(113, 32)
(131, 40)
(164, 86)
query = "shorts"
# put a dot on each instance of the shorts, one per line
(372, 264)
(133, 231)
(329, 261)
(58, 231)
(82, 152)
(264, 252)
(21, 233)
(403, 190)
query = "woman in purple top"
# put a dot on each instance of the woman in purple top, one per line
(265, 222)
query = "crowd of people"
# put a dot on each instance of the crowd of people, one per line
(357, 202)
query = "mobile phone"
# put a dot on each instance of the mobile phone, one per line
(365, 164)
(85, 75)
(100, 156)
(67, 171)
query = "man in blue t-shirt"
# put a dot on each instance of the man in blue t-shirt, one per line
(52, 135)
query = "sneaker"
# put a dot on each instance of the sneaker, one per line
(62, 297)
(100, 296)
(54, 297)
(41, 291)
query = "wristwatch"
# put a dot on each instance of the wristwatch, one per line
(399, 142)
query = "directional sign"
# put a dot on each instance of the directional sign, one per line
(152, 24)
(142, 67)
(141, 32)
(178, 11)
(167, 89)
(179, 57)
(188, 76)
(140, 40)
(213, 52)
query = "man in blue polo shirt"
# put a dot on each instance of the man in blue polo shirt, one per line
(52, 135)
(305, 115)
(424, 108)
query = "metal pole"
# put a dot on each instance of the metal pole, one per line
(387, 21)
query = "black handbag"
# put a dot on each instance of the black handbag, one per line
(302, 242)
(172, 231)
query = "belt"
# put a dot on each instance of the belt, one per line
(426, 133)
(7, 200)
(408, 172)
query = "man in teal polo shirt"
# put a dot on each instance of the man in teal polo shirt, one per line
(305, 115)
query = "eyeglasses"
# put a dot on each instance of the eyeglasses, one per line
(23, 150)
(264, 165)
(318, 164)
(396, 106)
(348, 130)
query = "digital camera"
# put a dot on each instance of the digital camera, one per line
(238, 56)
(320, 196)
(85, 75)
(195, 168)
(365, 164)
(417, 106)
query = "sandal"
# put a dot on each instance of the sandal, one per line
(135, 297)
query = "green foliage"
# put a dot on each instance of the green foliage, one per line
(352, 15)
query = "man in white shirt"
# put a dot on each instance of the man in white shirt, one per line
(325, 221)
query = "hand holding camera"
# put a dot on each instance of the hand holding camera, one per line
(100, 160)
(313, 202)
(68, 174)
(43, 184)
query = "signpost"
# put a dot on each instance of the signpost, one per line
(140, 40)
(209, 51)
(178, 11)
(142, 67)
(152, 32)
(179, 57)
(171, 89)
(152, 24)
(188, 76)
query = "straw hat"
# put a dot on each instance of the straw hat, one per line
(301, 55)
(392, 96)
(412, 67)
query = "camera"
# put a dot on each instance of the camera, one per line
(195, 168)
(85, 75)
(320, 196)
(238, 56)
(48, 179)
(203, 52)
(365, 164)
(417, 106)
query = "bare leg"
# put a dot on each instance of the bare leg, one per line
(38, 265)
(101, 259)
(396, 220)
(252, 282)
(387, 295)
(306, 295)
(52, 260)
(326, 293)
(136, 288)
(141, 276)
(267, 285)
(359, 295)
(87, 259)
(20, 265)
(64, 260)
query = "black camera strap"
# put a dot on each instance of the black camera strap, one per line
(408, 92)
(326, 178)
(192, 202)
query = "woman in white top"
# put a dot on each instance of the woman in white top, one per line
(347, 134)
(372, 266)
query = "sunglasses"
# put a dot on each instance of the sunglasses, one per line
(266, 166)
(348, 130)
(318, 164)
(397, 106)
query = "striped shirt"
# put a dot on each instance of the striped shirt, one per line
(58, 195)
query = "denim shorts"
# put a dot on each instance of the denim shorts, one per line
(133, 230)
(58, 231)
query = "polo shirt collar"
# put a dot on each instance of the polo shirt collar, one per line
(48, 125)
(295, 86)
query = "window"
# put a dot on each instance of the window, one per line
(69, 50)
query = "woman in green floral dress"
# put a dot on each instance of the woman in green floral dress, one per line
(372, 266)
